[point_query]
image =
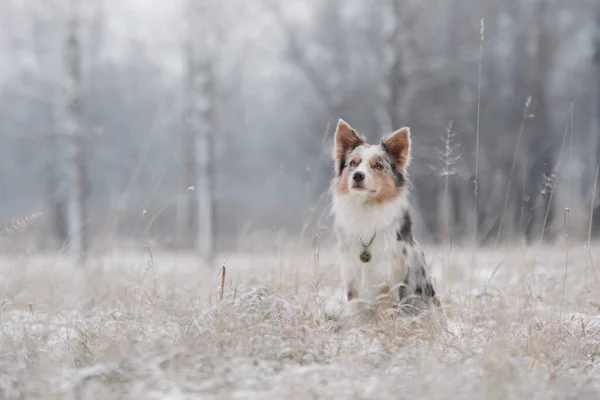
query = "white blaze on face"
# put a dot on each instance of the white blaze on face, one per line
(365, 154)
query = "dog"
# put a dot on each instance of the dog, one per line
(383, 269)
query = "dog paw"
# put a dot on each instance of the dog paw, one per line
(333, 307)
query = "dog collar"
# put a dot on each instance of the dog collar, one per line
(365, 255)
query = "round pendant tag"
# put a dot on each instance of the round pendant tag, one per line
(365, 256)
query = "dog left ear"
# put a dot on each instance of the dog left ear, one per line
(398, 146)
(346, 139)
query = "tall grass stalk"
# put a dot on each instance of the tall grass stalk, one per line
(476, 222)
(567, 210)
(589, 238)
(18, 224)
(526, 115)
(447, 156)
(550, 183)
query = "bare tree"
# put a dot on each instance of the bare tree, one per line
(329, 83)
(187, 219)
(56, 199)
(77, 157)
(596, 120)
(596, 59)
(199, 181)
(205, 154)
(323, 54)
(400, 83)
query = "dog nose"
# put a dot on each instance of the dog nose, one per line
(358, 176)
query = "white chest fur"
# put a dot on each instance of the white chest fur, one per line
(356, 224)
(385, 269)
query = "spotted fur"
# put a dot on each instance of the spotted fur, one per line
(370, 202)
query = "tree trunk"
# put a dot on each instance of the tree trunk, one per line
(201, 111)
(188, 215)
(396, 80)
(596, 125)
(77, 161)
(205, 151)
(56, 199)
(596, 129)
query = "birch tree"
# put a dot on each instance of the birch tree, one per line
(201, 125)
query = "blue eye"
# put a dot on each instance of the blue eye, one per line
(353, 163)
(378, 166)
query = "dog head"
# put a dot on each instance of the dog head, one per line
(375, 173)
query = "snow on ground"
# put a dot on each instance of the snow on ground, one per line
(136, 326)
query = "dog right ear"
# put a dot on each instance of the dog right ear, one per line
(346, 139)
(398, 146)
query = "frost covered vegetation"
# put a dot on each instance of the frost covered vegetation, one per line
(161, 326)
(203, 127)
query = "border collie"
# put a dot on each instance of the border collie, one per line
(383, 269)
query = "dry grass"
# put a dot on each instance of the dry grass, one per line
(132, 326)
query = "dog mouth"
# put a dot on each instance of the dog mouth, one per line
(361, 188)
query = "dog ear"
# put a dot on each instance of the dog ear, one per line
(346, 139)
(398, 147)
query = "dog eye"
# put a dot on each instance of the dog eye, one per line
(378, 166)
(353, 163)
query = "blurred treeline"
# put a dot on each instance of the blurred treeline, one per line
(205, 123)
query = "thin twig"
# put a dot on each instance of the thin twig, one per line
(223, 271)
(593, 265)
(149, 250)
(562, 300)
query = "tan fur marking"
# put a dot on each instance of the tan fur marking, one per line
(374, 161)
(352, 293)
(386, 188)
(383, 290)
(399, 261)
(342, 185)
(398, 145)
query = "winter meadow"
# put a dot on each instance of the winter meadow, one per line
(166, 231)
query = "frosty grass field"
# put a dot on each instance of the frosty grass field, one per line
(136, 326)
